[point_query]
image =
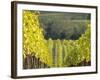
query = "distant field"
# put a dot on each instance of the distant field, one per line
(67, 25)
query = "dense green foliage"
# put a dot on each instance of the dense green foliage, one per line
(34, 42)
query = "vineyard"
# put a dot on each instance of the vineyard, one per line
(39, 52)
